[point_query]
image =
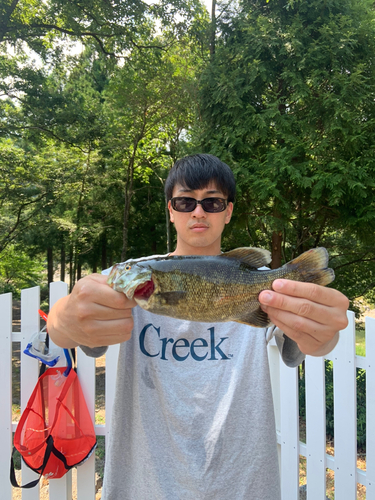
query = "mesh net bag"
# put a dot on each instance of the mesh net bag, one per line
(55, 432)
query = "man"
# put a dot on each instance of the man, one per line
(193, 416)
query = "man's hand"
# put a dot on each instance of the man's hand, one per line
(92, 315)
(309, 314)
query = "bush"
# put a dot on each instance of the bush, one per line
(18, 271)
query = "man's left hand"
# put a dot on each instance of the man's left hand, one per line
(309, 314)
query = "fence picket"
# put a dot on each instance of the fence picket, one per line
(289, 433)
(345, 404)
(315, 428)
(30, 300)
(59, 489)
(6, 391)
(370, 408)
(111, 360)
(274, 367)
(285, 393)
(86, 471)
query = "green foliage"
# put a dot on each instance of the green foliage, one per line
(23, 191)
(18, 271)
(111, 28)
(88, 139)
(288, 101)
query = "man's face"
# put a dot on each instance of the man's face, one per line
(199, 232)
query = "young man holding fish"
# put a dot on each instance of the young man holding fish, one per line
(193, 416)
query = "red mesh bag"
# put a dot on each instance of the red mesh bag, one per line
(55, 432)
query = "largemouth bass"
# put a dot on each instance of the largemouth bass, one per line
(213, 288)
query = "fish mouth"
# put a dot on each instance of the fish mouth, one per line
(133, 282)
(144, 290)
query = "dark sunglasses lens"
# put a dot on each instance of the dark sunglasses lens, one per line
(184, 204)
(213, 205)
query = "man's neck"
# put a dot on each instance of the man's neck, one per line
(188, 250)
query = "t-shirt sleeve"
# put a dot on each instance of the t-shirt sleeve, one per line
(288, 348)
(94, 352)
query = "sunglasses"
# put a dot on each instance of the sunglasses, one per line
(211, 205)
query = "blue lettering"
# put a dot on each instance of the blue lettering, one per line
(181, 348)
(142, 340)
(185, 343)
(216, 347)
(194, 345)
(165, 342)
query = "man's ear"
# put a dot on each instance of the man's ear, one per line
(229, 212)
(171, 218)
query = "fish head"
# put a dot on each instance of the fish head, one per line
(132, 278)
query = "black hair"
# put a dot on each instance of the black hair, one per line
(197, 171)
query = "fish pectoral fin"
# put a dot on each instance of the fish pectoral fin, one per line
(173, 298)
(253, 257)
(256, 318)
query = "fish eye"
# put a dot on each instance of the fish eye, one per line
(128, 267)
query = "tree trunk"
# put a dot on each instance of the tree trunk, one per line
(75, 261)
(128, 195)
(213, 29)
(71, 268)
(277, 237)
(125, 229)
(277, 240)
(50, 264)
(62, 264)
(104, 251)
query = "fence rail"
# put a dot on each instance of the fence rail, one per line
(286, 404)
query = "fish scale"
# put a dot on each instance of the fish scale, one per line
(213, 288)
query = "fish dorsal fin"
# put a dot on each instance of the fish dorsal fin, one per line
(253, 257)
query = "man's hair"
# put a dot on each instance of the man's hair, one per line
(197, 171)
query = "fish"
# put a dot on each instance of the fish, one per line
(215, 288)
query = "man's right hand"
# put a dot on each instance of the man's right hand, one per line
(93, 315)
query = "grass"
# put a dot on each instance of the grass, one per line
(360, 341)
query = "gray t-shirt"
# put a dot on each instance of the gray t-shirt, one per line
(193, 415)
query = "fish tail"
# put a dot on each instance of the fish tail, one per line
(313, 266)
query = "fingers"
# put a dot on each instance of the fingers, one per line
(307, 300)
(92, 315)
(103, 333)
(311, 291)
(94, 289)
(309, 314)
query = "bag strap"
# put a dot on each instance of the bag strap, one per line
(49, 449)
(47, 454)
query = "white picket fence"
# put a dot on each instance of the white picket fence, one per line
(285, 392)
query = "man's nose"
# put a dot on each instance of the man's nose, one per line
(198, 211)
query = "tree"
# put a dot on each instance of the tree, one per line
(25, 190)
(288, 100)
(148, 106)
(111, 27)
